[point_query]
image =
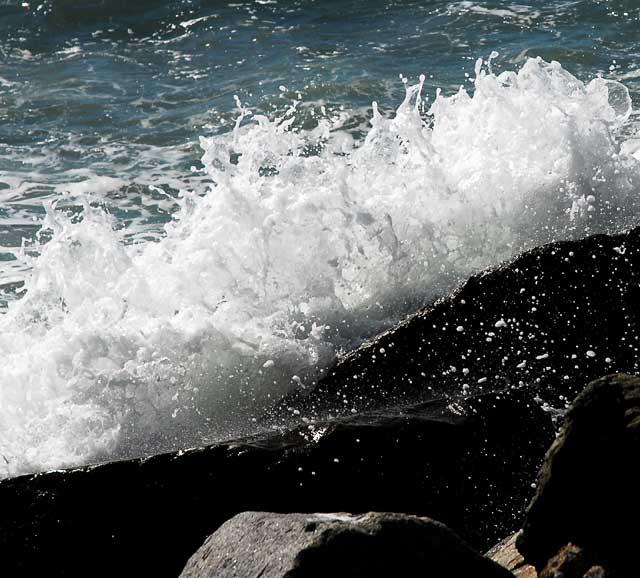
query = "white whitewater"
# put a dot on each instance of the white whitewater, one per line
(306, 245)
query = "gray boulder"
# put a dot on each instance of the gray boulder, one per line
(373, 545)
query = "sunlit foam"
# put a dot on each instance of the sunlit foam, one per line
(306, 245)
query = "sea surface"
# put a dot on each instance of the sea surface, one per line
(202, 204)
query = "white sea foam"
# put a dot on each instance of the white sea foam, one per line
(306, 245)
(517, 12)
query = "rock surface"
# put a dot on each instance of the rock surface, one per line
(573, 562)
(587, 492)
(506, 554)
(373, 545)
(469, 464)
(553, 319)
(545, 324)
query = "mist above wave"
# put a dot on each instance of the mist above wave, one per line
(306, 245)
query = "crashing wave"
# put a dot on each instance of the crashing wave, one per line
(307, 244)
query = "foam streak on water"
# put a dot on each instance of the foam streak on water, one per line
(306, 245)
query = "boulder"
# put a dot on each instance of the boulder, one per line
(372, 545)
(587, 492)
(574, 562)
(506, 554)
(552, 319)
(470, 464)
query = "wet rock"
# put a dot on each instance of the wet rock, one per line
(588, 486)
(506, 554)
(552, 319)
(469, 464)
(573, 562)
(372, 545)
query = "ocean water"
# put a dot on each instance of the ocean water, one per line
(202, 204)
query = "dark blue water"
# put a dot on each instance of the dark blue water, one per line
(124, 89)
(159, 289)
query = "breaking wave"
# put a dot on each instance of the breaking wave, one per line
(307, 243)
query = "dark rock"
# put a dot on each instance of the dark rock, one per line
(470, 464)
(573, 562)
(373, 545)
(552, 319)
(588, 486)
(506, 554)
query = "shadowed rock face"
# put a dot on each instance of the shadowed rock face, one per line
(546, 323)
(573, 562)
(373, 545)
(552, 320)
(587, 492)
(469, 464)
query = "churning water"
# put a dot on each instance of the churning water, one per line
(203, 203)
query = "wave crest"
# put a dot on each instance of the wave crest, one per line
(307, 244)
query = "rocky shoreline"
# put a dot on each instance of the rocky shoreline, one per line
(576, 526)
(455, 411)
